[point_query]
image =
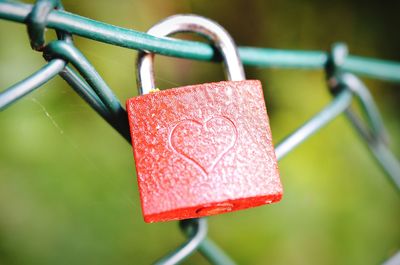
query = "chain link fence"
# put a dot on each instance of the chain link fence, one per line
(341, 69)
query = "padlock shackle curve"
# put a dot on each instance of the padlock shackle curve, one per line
(211, 30)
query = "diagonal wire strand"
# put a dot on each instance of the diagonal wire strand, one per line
(29, 84)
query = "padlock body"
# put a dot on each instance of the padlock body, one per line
(202, 150)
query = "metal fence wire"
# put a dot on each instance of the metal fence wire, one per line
(340, 67)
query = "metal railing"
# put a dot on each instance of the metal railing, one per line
(340, 68)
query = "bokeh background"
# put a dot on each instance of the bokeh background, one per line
(68, 191)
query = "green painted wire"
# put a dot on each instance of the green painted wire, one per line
(37, 21)
(373, 130)
(338, 105)
(103, 32)
(214, 253)
(86, 93)
(29, 84)
(68, 52)
(196, 231)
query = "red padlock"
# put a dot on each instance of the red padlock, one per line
(203, 149)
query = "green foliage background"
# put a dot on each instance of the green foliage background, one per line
(68, 191)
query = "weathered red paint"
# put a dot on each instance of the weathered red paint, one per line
(202, 150)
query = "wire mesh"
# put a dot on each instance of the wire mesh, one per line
(345, 87)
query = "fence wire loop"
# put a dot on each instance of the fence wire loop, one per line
(93, 88)
(374, 127)
(37, 22)
(371, 127)
(334, 65)
(69, 53)
(339, 80)
(372, 131)
(196, 231)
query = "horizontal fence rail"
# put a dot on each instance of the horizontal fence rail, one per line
(128, 38)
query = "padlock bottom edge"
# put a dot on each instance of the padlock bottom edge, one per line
(212, 208)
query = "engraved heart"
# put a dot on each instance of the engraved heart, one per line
(203, 144)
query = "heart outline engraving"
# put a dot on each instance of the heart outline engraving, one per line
(203, 125)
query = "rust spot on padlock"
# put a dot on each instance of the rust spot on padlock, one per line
(216, 209)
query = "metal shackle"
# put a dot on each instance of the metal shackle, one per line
(209, 29)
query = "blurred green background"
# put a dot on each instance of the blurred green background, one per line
(68, 191)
